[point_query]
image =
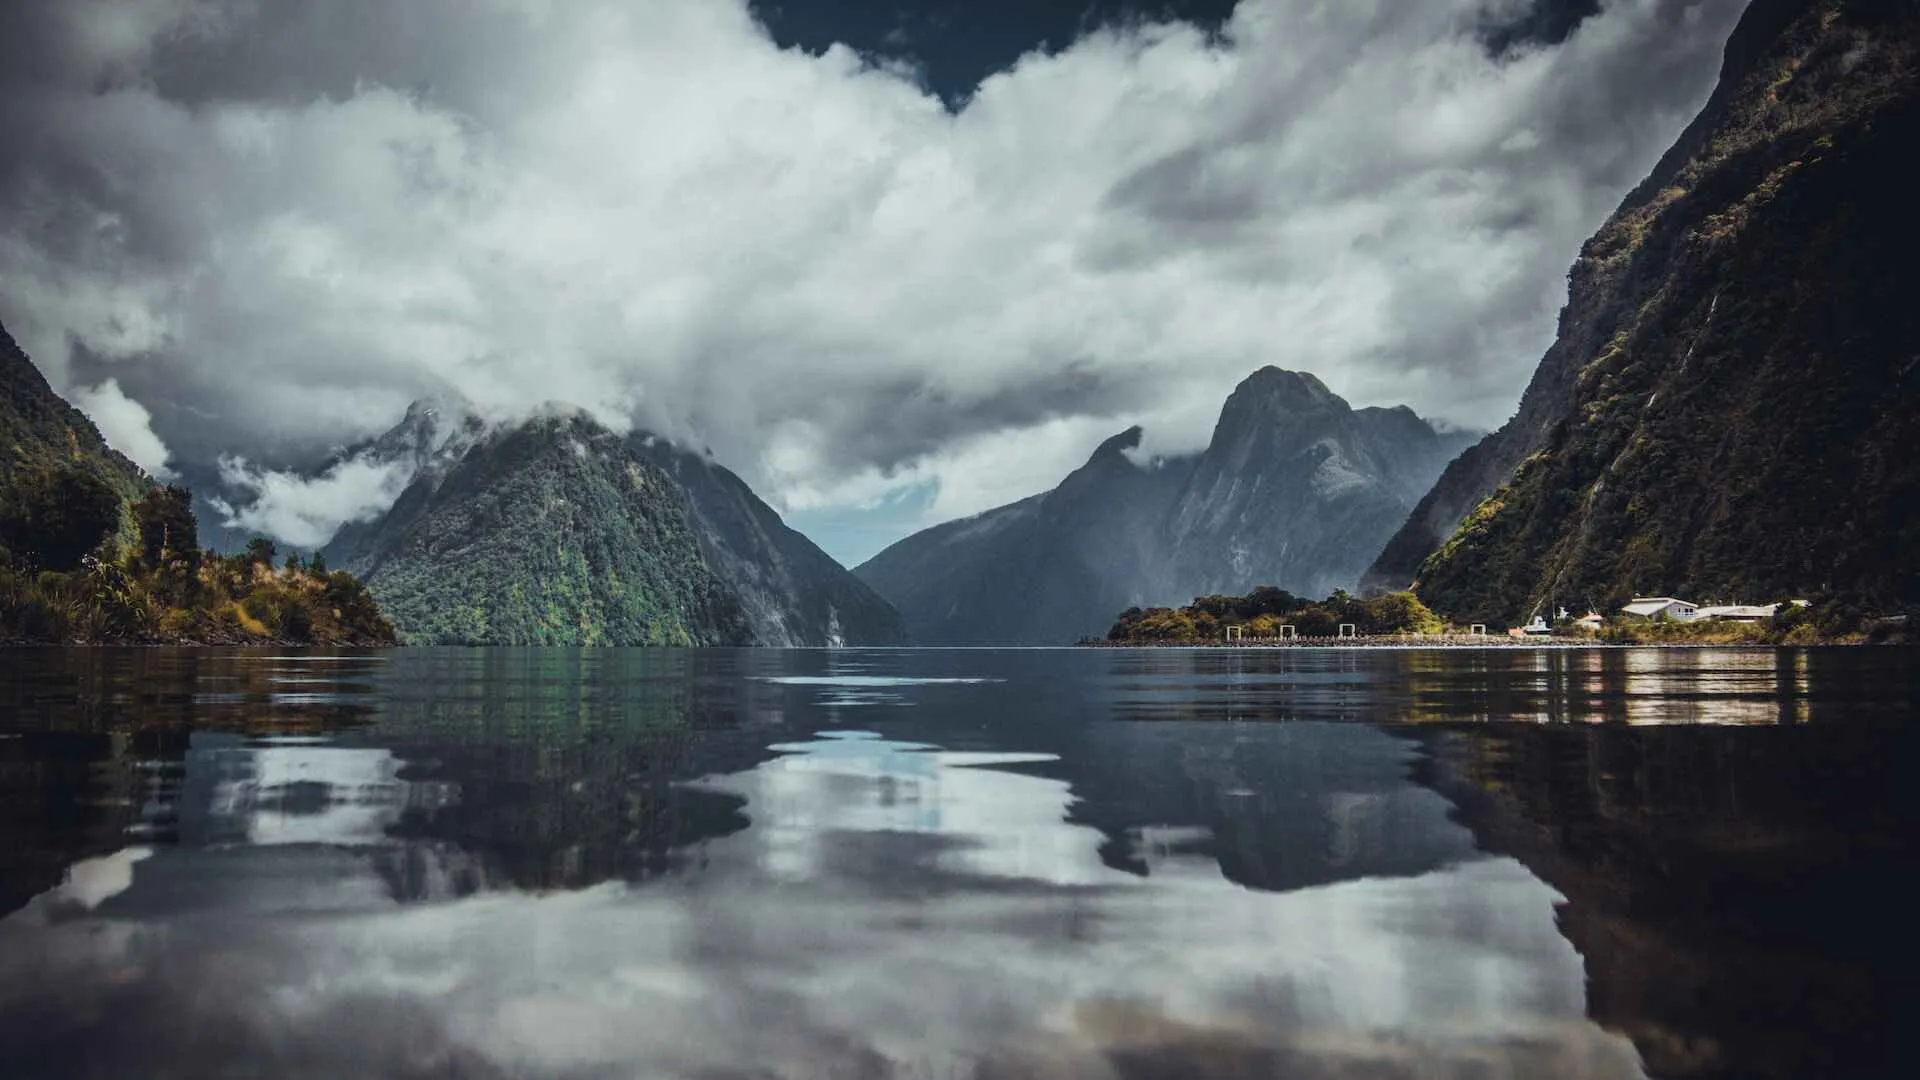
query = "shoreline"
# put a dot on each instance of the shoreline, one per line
(1459, 641)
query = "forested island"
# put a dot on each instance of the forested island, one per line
(1276, 614)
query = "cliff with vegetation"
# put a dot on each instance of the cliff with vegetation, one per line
(41, 434)
(1731, 404)
(552, 533)
(793, 593)
(92, 551)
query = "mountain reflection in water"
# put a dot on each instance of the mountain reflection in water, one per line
(718, 863)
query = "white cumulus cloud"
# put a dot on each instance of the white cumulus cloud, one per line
(306, 511)
(277, 223)
(125, 424)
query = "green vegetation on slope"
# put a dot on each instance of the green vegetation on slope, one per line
(1744, 425)
(92, 551)
(555, 533)
(66, 578)
(1261, 614)
(41, 433)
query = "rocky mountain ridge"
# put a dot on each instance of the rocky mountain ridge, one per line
(1295, 489)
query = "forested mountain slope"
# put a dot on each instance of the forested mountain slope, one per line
(551, 533)
(1731, 407)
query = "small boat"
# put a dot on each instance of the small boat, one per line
(1536, 627)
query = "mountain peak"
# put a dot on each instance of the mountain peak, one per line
(1290, 391)
(1274, 395)
(1119, 444)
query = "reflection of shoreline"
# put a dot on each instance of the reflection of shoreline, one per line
(1189, 863)
(1455, 643)
(1733, 892)
(897, 910)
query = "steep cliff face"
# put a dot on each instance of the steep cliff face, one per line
(1296, 489)
(39, 429)
(1731, 404)
(552, 533)
(1616, 273)
(793, 593)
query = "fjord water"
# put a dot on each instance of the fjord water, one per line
(1020, 863)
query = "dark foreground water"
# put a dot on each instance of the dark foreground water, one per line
(1086, 864)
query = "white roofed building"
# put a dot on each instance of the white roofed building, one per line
(1660, 607)
(1737, 612)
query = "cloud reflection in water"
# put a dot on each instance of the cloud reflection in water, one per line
(895, 910)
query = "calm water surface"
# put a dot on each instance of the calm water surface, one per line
(1034, 864)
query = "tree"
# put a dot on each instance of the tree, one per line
(164, 517)
(1267, 600)
(52, 518)
(1394, 613)
(260, 550)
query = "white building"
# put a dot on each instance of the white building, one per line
(1737, 612)
(1660, 607)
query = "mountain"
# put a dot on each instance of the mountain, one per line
(1731, 403)
(1044, 570)
(39, 429)
(1296, 489)
(794, 594)
(782, 590)
(551, 533)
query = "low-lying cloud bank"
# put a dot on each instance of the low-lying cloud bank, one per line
(274, 224)
(306, 510)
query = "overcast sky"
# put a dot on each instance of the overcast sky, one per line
(891, 281)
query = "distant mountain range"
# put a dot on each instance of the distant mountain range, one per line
(558, 531)
(1732, 405)
(1296, 489)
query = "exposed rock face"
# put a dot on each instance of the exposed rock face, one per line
(794, 594)
(1296, 489)
(1730, 403)
(1044, 570)
(634, 504)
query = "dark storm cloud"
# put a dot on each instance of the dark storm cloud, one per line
(1541, 22)
(262, 227)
